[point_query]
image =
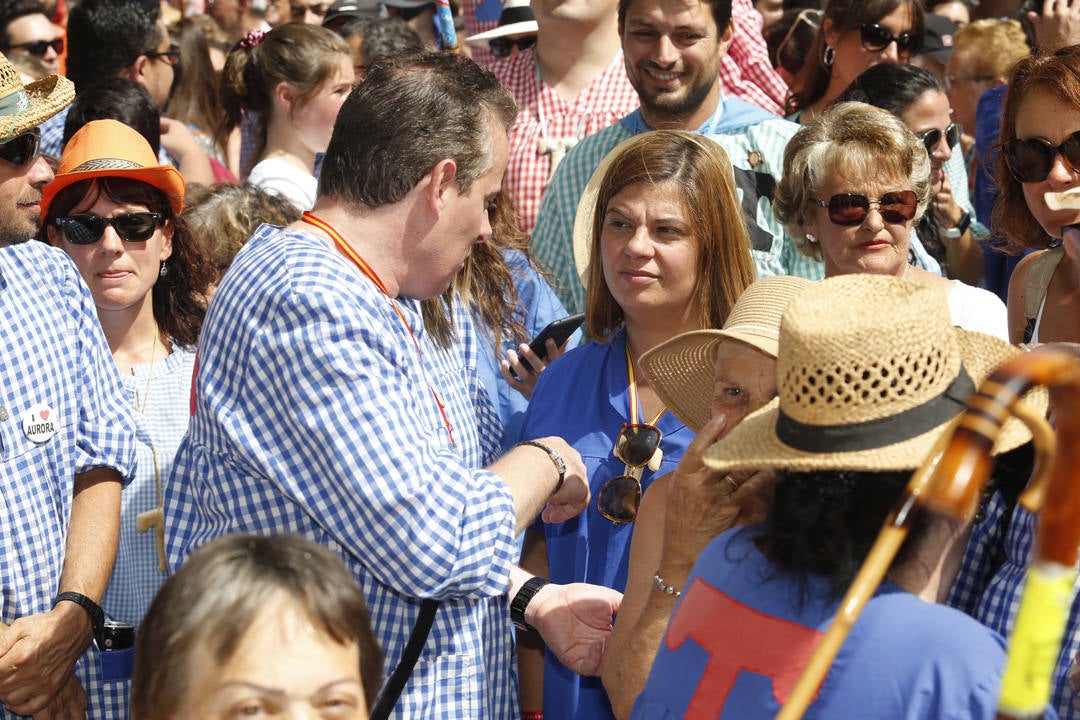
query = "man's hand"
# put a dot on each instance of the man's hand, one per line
(575, 622)
(573, 496)
(1058, 26)
(70, 704)
(37, 661)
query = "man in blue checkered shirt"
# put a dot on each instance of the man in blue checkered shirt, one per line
(324, 409)
(67, 441)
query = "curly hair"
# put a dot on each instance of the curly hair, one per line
(857, 140)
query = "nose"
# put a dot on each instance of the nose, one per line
(665, 54)
(890, 53)
(485, 227)
(1061, 175)
(640, 243)
(311, 17)
(873, 220)
(39, 173)
(942, 151)
(110, 241)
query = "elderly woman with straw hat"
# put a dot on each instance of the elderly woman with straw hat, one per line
(665, 251)
(711, 380)
(863, 397)
(116, 212)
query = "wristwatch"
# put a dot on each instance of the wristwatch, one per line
(961, 227)
(521, 601)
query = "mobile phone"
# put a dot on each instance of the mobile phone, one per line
(557, 330)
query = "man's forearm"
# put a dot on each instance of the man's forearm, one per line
(93, 533)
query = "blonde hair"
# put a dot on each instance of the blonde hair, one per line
(991, 47)
(857, 140)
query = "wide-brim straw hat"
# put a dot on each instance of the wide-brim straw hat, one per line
(583, 220)
(870, 373)
(23, 107)
(516, 18)
(111, 149)
(681, 370)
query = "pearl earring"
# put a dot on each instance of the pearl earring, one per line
(811, 238)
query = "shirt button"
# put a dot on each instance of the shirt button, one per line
(3, 413)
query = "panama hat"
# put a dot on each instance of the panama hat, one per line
(111, 149)
(516, 18)
(23, 107)
(870, 373)
(680, 370)
(586, 209)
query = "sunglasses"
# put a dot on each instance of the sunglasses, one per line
(22, 149)
(38, 48)
(1031, 160)
(298, 11)
(171, 56)
(851, 209)
(88, 229)
(876, 38)
(620, 497)
(932, 137)
(502, 47)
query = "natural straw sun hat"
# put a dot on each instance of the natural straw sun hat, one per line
(681, 369)
(23, 107)
(111, 149)
(870, 372)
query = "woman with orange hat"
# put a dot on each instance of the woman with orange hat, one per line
(116, 212)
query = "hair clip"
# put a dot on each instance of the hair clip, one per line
(253, 38)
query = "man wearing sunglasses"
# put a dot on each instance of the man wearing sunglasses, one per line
(325, 409)
(672, 55)
(128, 39)
(28, 31)
(68, 440)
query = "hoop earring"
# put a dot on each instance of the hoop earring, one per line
(830, 56)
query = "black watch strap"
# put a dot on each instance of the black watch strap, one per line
(97, 615)
(521, 601)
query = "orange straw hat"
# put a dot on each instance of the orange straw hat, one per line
(23, 107)
(681, 370)
(111, 149)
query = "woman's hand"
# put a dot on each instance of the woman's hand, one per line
(520, 378)
(947, 211)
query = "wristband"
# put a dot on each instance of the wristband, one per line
(555, 458)
(97, 615)
(521, 601)
(960, 229)
(532, 715)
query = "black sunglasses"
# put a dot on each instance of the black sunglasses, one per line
(502, 47)
(932, 137)
(22, 149)
(1030, 160)
(620, 497)
(38, 48)
(876, 38)
(88, 229)
(850, 209)
(171, 56)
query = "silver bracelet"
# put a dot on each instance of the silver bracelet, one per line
(556, 458)
(664, 587)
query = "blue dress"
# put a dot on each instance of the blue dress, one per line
(583, 398)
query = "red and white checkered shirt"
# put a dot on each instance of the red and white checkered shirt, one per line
(745, 71)
(547, 125)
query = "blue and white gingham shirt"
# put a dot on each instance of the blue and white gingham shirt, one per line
(54, 358)
(754, 141)
(315, 416)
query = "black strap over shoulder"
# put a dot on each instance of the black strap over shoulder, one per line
(388, 696)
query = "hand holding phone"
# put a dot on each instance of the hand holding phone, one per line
(559, 331)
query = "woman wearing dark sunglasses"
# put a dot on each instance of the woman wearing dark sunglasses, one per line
(856, 181)
(116, 212)
(1038, 172)
(663, 250)
(918, 97)
(854, 35)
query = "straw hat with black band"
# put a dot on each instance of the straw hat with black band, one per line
(870, 372)
(681, 370)
(111, 149)
(24, 107)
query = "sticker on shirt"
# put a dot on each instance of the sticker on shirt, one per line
(39, 424)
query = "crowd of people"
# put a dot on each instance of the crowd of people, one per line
(275, 437)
